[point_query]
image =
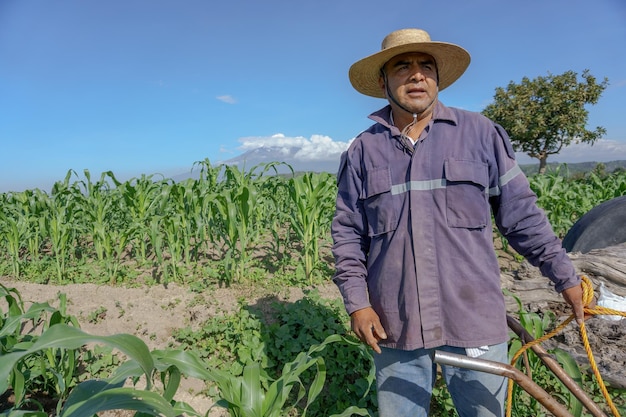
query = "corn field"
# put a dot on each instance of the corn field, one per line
(169, 228)
(241, 221)
(565, 199)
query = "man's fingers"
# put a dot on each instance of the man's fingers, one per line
(372, 341)
(379, 332)
(375, 334)
(591, 305)
(366, 335)
(366, 325)
(579, 312)
(574, 297)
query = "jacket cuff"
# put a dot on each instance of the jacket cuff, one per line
(355, 299)
(567, 284)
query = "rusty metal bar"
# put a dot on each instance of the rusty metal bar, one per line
(502, 369)
(554, 366)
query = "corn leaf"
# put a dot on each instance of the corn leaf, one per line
(91, 397)
(23, 413)
(570, 366)
(354, 410)
(67, 337)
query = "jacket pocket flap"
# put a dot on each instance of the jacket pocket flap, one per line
(378, 182)
(467, 171)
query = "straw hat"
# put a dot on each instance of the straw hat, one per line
(452, 60)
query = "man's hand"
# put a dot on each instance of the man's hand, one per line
(574, 297)
(366, 324)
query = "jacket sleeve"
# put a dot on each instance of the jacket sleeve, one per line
(350, 240)
(521, 221)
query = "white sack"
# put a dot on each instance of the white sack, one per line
(613, 301)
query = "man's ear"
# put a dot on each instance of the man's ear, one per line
(381, 84)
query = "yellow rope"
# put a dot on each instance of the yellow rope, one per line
(587, 299)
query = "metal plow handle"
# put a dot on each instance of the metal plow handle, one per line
(502, 369)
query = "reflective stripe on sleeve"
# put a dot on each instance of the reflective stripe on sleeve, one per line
(505, 179)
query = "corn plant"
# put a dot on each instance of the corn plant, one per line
(275, 220)
(97, 206)
(238, 205)
(235, 211)
(103, 212)
(20, 226)
(312, 198)
(201, 215)
(156, 238)
(205, 216)
(11, 320)
(36, 203)
(606, 187)
(173, 228)
(60, 224)
(48, 370)
(142, 200)
(13, 230)
(184, 206)
(51, 370)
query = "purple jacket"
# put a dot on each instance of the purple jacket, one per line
(412, 230)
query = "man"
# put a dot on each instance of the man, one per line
(412, 233)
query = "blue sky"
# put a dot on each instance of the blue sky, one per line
(151, 86)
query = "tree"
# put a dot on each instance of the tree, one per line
(548, 113)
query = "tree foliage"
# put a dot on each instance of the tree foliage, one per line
(545, 114)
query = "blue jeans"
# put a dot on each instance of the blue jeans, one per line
(405, 382)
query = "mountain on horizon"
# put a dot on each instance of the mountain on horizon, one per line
(269, 154)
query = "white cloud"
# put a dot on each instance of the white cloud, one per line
(604, 150)
(321, 148)
(317, 148)
(227, 99)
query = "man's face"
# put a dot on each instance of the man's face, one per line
(412, 79)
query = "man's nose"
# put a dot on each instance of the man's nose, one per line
(417, 75)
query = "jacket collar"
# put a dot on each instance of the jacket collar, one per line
(440, 113)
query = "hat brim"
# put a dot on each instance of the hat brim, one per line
(452, 61)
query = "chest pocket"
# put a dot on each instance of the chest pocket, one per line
(467, 203)
(378, 202)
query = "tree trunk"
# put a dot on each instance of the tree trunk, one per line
(543, 163)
